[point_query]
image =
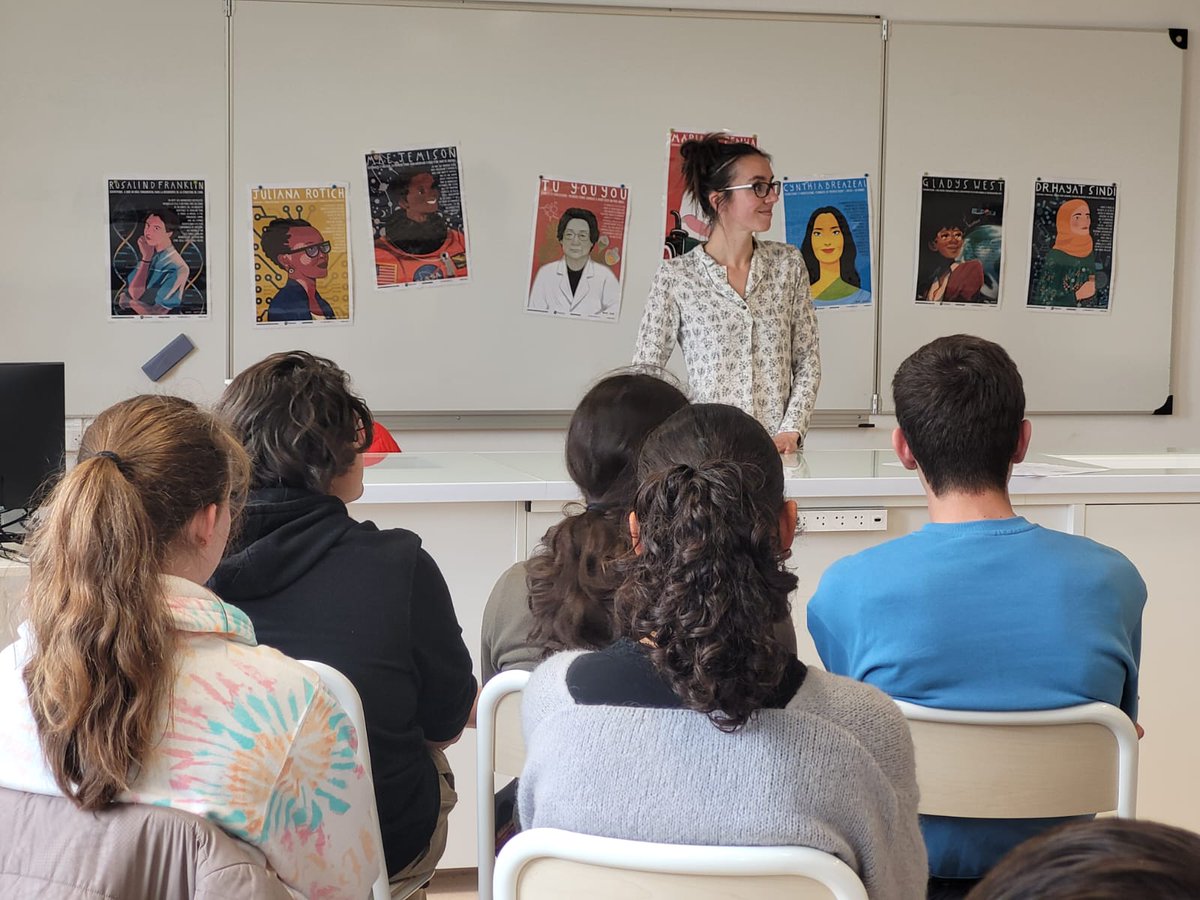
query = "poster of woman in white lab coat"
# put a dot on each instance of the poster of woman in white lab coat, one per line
(578, 246)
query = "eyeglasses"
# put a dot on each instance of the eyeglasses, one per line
(313, 250)
(760, 188)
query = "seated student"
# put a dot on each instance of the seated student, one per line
(980, 609)
(131, 683)
(371, 603)
(562, 597)
(697, 726)
(1105, 859)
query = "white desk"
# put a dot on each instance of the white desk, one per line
(479, 512)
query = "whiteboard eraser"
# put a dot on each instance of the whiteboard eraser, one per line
(168, 357)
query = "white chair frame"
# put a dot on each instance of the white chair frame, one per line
(574, 865)
(1027, 764)
(347, 697)
(500, 747)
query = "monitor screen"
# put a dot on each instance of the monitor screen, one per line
(33, 441)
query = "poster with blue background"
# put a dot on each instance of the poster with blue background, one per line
(829, 220)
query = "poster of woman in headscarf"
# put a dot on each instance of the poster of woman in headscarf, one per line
(578, 249)
(417, 216)
(829, 220)
(156, 247)
(685, 226)
(301, 254)
(1071, 258)
(960, 241)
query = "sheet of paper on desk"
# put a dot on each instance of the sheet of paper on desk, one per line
(1040, 470)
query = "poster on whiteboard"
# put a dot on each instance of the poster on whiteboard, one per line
(579, 233)
(156, 246)
(960, 241)
(1072, 250)
(417, 217)
(829, 221)
(301, 254)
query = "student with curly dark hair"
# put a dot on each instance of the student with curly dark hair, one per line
(371, 603)
(817, 760)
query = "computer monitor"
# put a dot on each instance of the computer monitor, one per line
(32, 440)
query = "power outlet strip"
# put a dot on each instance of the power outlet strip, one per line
(842, 520)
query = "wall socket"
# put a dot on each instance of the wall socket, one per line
(73, 434)
(841, 520)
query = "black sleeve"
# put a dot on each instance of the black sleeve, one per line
(447, 687)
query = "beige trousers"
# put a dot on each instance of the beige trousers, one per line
(410, 881)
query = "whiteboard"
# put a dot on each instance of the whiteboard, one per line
(1023, 103)
(102, 96)
(585, 95)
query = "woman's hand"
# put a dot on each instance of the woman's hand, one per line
(1088, 291)
(787, 441)
(145, 248)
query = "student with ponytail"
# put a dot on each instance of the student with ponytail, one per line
(131, 683)
(740, 309)
(698, 710)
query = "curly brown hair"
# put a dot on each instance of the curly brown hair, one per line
(572, 576)
(298, 419)
(709, 583)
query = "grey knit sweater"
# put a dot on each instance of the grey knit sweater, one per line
(833, 770)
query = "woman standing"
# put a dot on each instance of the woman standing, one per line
(740, 308)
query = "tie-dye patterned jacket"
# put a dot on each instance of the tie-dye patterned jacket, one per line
(252, 742)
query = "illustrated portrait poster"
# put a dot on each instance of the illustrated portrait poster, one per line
(301, 254)
(829, 220)
(579, 232)
(417, 216)
(960, 241)
(685, 227)
(156, 242)
(1072, 250)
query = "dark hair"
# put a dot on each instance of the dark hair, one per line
(298, 419)
(274, 240)
(710, 584)
(573, 575)
(576, 213)
(102, 667)
(849, 274)
(398, 186)
(708, 165)
(169, 217)
(1104, 859)
(960, 401)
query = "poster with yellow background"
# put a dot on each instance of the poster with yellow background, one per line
(301, 254)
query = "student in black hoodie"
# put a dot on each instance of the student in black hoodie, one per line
(369, 602)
